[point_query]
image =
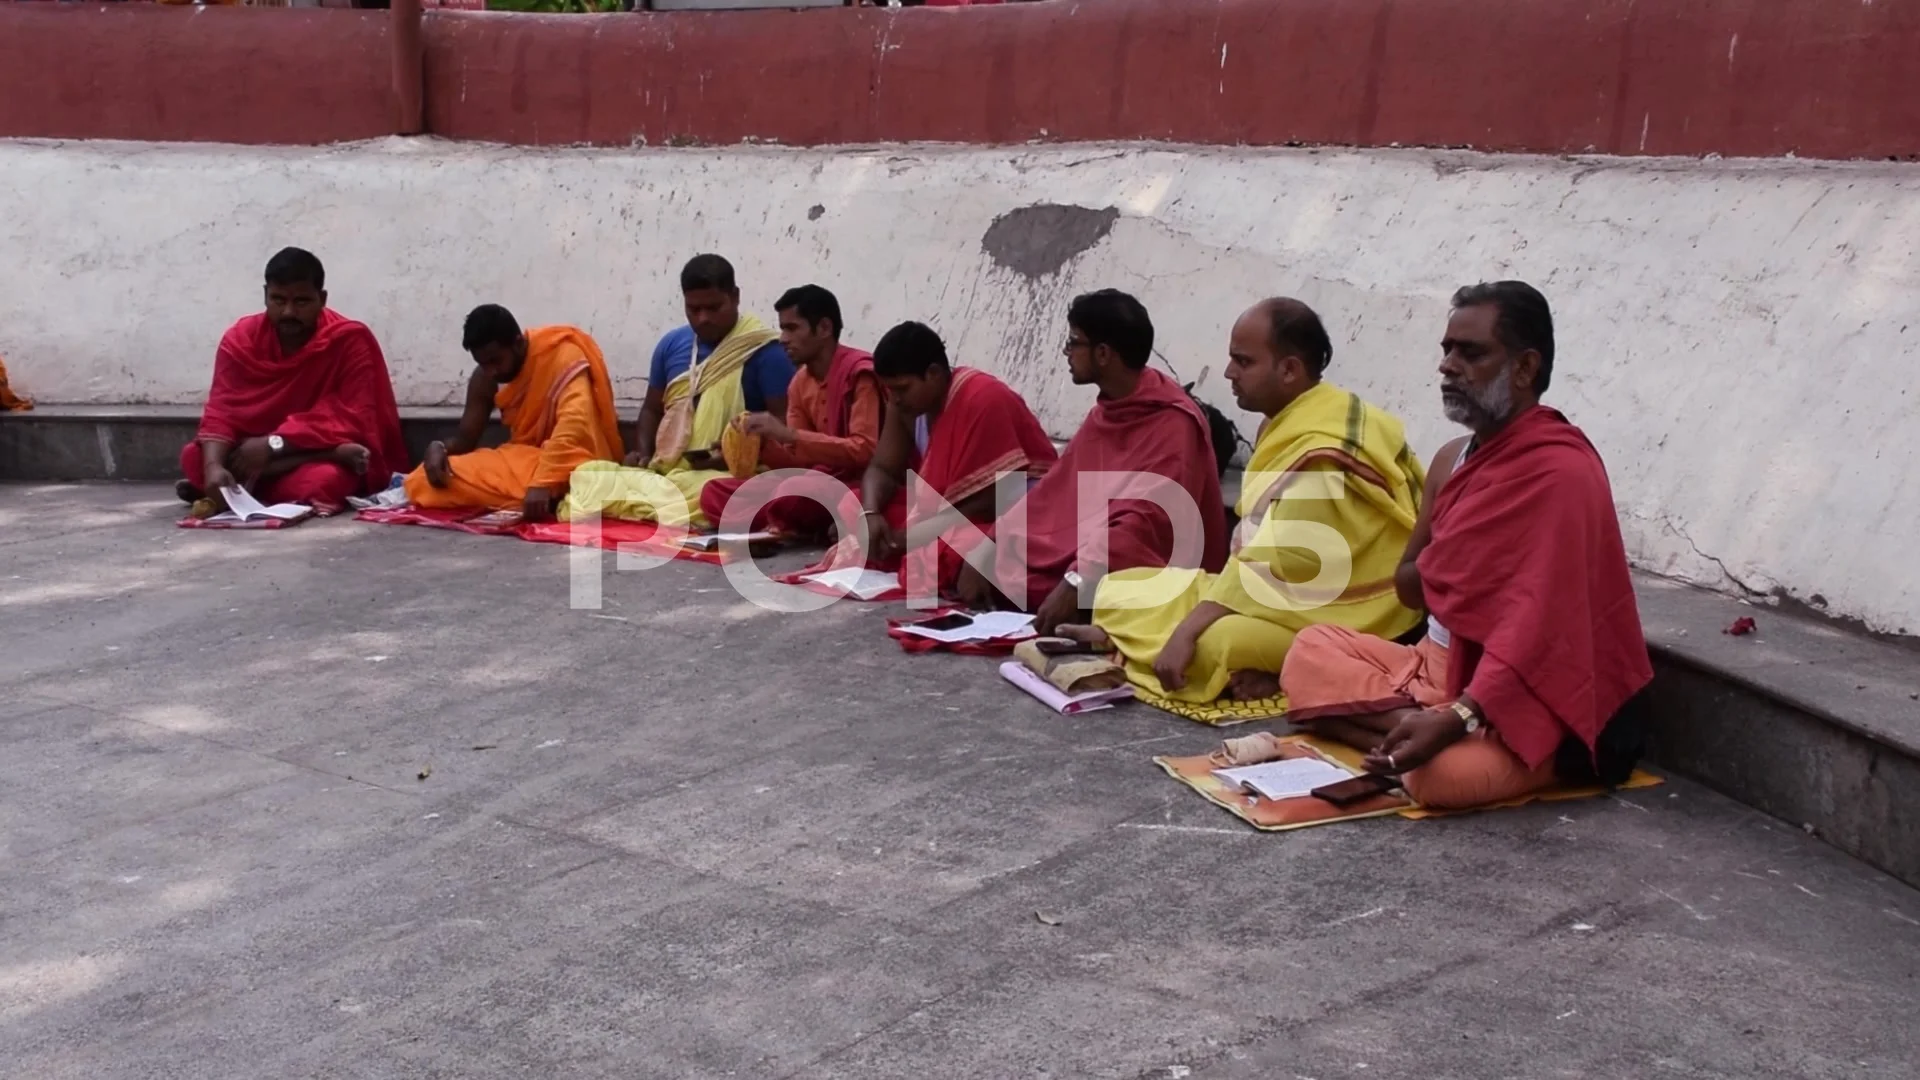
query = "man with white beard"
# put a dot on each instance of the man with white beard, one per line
(1534, 651)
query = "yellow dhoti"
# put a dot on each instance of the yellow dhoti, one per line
(700, 405)
(1327, 504)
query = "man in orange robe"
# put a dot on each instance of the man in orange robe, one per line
(551, 386)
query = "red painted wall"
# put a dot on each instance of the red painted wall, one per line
(245, 75)
(1817, 78)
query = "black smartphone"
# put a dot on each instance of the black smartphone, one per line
(946, 622)
(1356, 789)
(1060, 646)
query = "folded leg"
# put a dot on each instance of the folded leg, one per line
(1475, 771)
(494, 479)
(322, 485)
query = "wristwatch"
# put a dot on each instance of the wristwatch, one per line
(1467, 716)
(1073, 579)
(275, 444)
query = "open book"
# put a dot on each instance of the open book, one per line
(1286, 778)
(712, 541)
(243, 510)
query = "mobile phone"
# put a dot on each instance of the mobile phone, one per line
(946, 622)
(1356, 789)
(1060, 646)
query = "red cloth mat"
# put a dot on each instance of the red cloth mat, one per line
(456, 520)
(612, 535)
(914, 643)
(615, 535)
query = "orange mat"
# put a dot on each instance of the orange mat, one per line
(1270, 815)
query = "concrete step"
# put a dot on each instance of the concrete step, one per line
(143, 442)
(1813, 723)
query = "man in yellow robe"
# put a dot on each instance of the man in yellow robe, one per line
(552, 389)
(721, 365)
(1327, 503)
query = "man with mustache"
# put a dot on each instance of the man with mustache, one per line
(301, 409)
(1534, 653)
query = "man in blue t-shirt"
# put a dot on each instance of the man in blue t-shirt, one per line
(713, 313)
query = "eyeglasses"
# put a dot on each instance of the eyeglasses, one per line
(1075, 343)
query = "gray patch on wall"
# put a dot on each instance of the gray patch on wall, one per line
(1039, 240)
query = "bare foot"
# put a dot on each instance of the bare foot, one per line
(1085, 634)
(353, 456)
(1253, 685)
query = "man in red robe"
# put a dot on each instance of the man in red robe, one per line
(949, 438)
(1143, 429)
(1520, 562)
(301, 408)
(832, 421)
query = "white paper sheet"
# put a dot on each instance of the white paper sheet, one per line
(710, 541)
(1287, 778)
(1053, 698)
(860, 582)
(985, 626)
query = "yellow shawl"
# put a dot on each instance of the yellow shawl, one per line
(705, 398)
(1327, 503)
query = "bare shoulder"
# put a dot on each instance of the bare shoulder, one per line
(1443, 462)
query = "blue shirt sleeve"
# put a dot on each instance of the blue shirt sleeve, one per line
(767, 374)
(670, 345)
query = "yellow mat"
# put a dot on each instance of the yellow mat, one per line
(1222, 713)
(1281, 815)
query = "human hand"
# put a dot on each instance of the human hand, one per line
(883, 541)
(704, 459)
(1062, 605)
(438, 469)
(538, 505)
(768, 426)
(1415, 741)
(637, 458)
(249, 459)
(973, 588)
(1170, 667)
(213, 478)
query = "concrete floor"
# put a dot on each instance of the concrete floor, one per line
(706, 840)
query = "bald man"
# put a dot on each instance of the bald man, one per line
(1327, 503)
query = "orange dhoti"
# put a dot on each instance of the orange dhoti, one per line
(496, 479)
(559, 411)
(1332, 671)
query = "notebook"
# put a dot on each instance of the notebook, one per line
(1058, 700)
(1287, 778)
(243, 508)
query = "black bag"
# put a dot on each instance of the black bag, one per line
(1220, 432)
(1618, 749)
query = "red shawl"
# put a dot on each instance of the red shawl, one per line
(1158, 430)
(334, 390)
(983, 430)
(843, 373)
(1528, 572)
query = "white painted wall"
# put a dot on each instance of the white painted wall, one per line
(1740, 339)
